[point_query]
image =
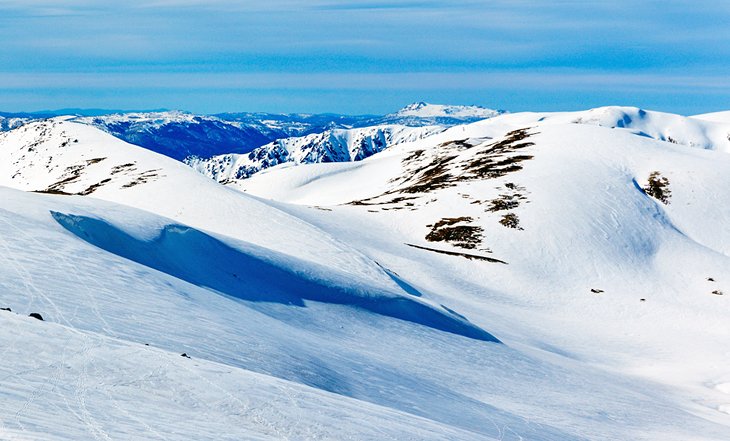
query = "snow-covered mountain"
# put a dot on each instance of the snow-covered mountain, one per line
(358, 144)
(438, 114)
(532, 276)
(180, 135)
(9, 121)
(336, 145)
(296, 124)
(610, 222)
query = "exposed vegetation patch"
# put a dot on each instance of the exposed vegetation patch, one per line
(511, 220)
(71, 174)
(494, 161)
(433, 176)
(451, 163)
(463, 236)
(428, 171)
(56, 192)
(658, 187)
(503, 203)
(416, 154)
(143, 178)
(124, 167)
(92, 188)
(445, 170)
(454, 253)
(373, 201)
(462, 144)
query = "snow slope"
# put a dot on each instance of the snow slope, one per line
(721, 117)
(104, 307)
(622, 281)
(64, 383)
(280, 304)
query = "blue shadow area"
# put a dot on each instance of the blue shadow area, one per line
(256, 274)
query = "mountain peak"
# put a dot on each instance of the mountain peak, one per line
(426, 110)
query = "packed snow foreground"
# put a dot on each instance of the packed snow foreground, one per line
(539, 276)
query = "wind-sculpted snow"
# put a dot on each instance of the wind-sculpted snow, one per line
(255, 274)
(102, 309)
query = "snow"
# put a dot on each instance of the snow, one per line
(69, 384)
(721, 117)
(269, 290)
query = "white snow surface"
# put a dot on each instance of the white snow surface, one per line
(722, 117)
(276, 286)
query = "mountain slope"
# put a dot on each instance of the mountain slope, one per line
(624, 280)
(61, 157)
(337, 145)
(179, 134)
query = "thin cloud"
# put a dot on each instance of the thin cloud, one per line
(444, 48)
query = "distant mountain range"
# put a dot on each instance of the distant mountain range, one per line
(180, 135)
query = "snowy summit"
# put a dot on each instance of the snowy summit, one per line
(426, 110)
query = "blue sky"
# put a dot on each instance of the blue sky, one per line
(367, 56)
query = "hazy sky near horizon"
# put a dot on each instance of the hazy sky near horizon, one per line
(370, 56)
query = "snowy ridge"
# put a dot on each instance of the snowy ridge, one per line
(702, 132)
(721, 117)
(338, 145)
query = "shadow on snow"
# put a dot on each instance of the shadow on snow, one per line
(259, 275)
